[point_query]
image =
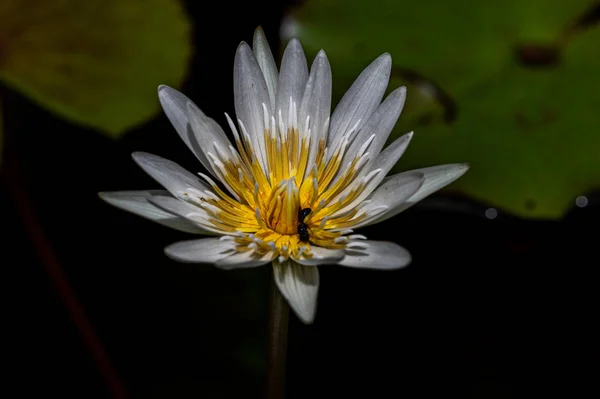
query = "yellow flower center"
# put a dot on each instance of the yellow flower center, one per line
(267, 194)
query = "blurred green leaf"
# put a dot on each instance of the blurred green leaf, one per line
(512, 87)
(96, 62)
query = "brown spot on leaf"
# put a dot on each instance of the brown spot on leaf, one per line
(522, 121)
(532, 55)
(530, 204)
(549, 116)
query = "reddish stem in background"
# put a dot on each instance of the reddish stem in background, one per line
(13, 180)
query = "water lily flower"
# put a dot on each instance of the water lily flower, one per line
(296, 181)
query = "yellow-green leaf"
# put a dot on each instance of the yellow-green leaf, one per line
(96, 62)
(531, 133)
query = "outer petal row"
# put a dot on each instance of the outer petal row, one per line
(137, 202)
(363, 97)
(265, 60)
(299, 285)
(221, 253)
(198, 132)
(390, 193)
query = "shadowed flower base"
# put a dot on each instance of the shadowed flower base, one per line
(296, 180)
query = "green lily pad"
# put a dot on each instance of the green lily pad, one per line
(512, 87)
(96, 62)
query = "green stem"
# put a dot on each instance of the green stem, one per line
(277, 345)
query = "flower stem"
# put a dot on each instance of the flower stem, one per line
(277, 345)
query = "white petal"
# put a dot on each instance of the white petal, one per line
(380, 124)
(381, 255)
(316, 104)
(322, 256)
(292, 79)
(137, 203)
(299, 285)
(361, 99)
(174, 105)
(250, 93)
(384, 162)
(265, 60)
(207, 250)
(170, 175)
(435, 178)
(186, 211)
(241, 260)
(393, 194)
(392, 153)
(206, 134)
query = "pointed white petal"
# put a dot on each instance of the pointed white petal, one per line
(434, 178)
(187, 211)
(170, 175)
(392, 153)
(137, 203)
(381, 255)
(207, 133)
(241, 260)
(321, 256)
(361, 99)
(384, 163)
(393, 194)
(292, 80)
(437, 177)
(174, 105)
(196, 129)
(265, 60)
(299, 285)
(316, 104)
(380, 124)
(207, 250)
(250, 93)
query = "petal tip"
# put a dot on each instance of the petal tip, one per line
(165, 91)
(294, 42)
(243, 48)
(308, 319)
(462, 168)
(407, 260)
(138, 156)
(385, 58)
(143, 158)
(170, 253)
(306, 314)
(106, 196)
(259, 31)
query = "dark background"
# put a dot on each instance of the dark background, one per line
(502, 308)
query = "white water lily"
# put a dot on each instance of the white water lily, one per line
(290, 154)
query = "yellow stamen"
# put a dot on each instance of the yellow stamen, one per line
(270, 184)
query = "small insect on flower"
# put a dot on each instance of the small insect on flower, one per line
(296, 181)
(302, 227)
